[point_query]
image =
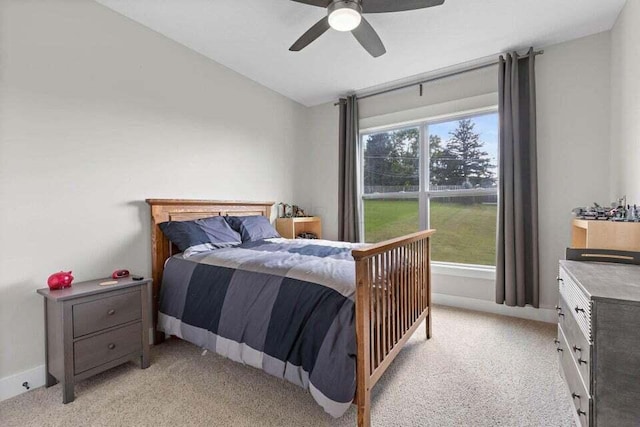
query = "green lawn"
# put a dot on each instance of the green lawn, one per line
(466, 233)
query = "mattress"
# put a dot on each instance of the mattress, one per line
(284, 306)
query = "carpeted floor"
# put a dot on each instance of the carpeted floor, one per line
(477, 370)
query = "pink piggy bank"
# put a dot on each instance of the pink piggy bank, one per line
(60, 280)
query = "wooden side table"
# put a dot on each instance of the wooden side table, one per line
(289, 228)
(91, 328)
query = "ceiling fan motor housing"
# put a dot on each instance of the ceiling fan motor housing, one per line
(344, 4)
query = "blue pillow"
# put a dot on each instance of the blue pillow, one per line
(252, 228)
(201, 235)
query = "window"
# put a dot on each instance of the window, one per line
(435, 174)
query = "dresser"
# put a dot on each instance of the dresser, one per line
(598, 341)
(90, 328)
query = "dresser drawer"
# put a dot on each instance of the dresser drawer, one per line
(581, 398)
(579, 347)
(107, 312)
(100, 349)
(577, 301)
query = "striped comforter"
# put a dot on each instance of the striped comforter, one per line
(283, 306)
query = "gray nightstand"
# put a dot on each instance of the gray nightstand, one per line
(92, 328)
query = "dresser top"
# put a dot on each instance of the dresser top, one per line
(606, 280)
(91, 287)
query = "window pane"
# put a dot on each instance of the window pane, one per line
(466, 229)
(391, 161)
(464, 153)
(388, 218)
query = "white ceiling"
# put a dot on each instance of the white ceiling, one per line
(252, 37)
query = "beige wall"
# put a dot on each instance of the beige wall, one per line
(98, 113)
(317, 167)
(625, 104)
(573, 86)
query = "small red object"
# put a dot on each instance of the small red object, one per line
(60, 280)
(119, 274)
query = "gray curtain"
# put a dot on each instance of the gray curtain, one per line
(349, 203)
(517, 275)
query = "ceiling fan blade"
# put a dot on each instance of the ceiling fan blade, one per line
(312, 33)
(369, 39)
(382, 6)
(319, 3)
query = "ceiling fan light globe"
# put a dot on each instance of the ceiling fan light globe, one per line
(344, 19)
(344, 15)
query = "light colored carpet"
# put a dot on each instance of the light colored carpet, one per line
(477, 370)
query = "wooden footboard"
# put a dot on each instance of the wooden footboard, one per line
(393, 296)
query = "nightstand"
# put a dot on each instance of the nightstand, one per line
(289, 228)
(90, 328)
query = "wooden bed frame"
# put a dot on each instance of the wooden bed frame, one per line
(393, 287)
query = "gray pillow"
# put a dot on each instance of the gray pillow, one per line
(252, 228)
(201, 235)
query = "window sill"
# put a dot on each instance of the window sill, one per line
(464, 270)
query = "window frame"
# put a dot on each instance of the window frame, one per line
(424, 193)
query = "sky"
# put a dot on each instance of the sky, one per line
(486, 125)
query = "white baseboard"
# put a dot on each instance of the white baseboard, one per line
(540, 314)
(12, 385)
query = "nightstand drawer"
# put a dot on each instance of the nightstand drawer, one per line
(100, 349)
(104, 313)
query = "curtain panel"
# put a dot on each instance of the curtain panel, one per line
(517, 270)
(349, 166)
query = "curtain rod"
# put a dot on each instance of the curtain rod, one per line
(440, 77)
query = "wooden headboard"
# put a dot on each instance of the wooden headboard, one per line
(163, 210)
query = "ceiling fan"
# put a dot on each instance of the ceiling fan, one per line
(346, 15)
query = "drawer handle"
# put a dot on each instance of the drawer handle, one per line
(575, 395)
(581, 412)
(578, 309)
(560, 314)
(556, 341)
(558, 308)
(111, 312)
(111, 346)
(559, 279)
(559, 349)
(576, 349)
(581, 360)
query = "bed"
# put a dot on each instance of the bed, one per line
(328, 316)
